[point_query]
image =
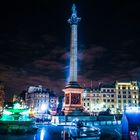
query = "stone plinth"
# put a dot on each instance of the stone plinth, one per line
(73, 98)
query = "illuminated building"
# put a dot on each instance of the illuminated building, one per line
(108, 95)
(127, 94)
(40, 99)
(2, 95)
(100, 99)
(73, 91)
(92, 100)
(116, 97)
(53, 104)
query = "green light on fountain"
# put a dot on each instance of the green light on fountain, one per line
(16, 113)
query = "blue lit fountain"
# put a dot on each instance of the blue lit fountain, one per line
(16, 120)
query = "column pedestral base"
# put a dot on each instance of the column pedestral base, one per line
(73, 97)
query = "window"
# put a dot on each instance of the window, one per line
(124, 92)
(119, 96)
(112, 100)
(124, 101)
(108, 100)
(119, 101)
(112, 106)
(104, 100)
(112, 95)
(103, 90)
(108, 90)
(129, 101)
(87, 104)
(112, 90)
(104, 95)
(123, 87)
(84, 104)
(124, 96)
(108, 95)
(129, 96)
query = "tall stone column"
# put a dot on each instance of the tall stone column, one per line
(73, 21)
(73, 54)
(73, 91)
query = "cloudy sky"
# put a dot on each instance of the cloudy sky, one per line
(35, 41)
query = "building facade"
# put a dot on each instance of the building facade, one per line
(115, 97)
(99, 99)
(40, 99)
(92, 101)
(127, 94)
(108, 95)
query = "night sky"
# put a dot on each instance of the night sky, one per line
(35, 41)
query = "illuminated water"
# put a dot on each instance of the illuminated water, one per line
(50, 132)
(45, 132)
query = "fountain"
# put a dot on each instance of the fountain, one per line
(16, 120)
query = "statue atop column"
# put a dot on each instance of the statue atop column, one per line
(74, 19)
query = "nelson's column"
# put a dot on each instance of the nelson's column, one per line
(73, 91)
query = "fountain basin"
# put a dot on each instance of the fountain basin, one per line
(17, 127)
